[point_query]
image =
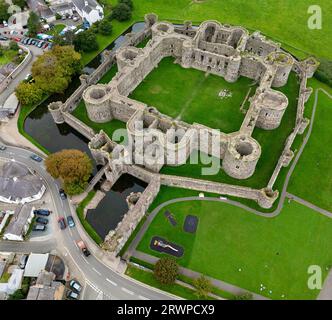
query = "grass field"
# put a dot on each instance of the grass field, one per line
(312, 178)
(8, 56)
(275, 252)
(186, 93)
(281, 20)
(198, 101)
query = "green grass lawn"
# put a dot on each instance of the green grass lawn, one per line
(281, 20)
(185, 94)
(275, 252)
(200, 93)
(8, 56)
(109, 127)
(148, 278)
(56, 30)
(312, 178)
(86, 225)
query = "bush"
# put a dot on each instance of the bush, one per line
(105, 27)
(245, 296)
(129, 3)
(166, 270)
(121, 12)
(86, 41)
(13, 46)
(324, 72)
(203, 286)
(28, 93)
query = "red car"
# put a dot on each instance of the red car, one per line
(16, 39)
(62, 223)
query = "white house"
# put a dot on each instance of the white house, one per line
(90, 10)
(19, 223)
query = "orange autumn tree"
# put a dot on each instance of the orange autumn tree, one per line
(73, 167)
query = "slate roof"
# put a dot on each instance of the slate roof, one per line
(19, 220)
(16, 182)
(81, 5)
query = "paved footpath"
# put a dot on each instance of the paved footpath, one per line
(193, 275)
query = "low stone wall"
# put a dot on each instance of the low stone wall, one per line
(27, 59)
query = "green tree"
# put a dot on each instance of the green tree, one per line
(13, 46)
(4, 15)
(105, 27)
(121, 12)
(203, 286)
(58, 16)
(33, 24)
(28, 93)
(129, 3)
(19, 3)
(64, 40)
(166, 270)
(86, 41)
(54, 69)
(73, 167)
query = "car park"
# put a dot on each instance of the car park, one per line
(36, 158)
(70, 221)
(39, 227)
(62, 223)
(23, 261)
(72, 295)
(75, 286)
(63, 195)
(42, 220)
(42, 212)
(3, 148)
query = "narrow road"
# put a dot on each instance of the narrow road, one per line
(97, 275)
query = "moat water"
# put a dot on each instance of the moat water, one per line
(55, 137)
(113, 206)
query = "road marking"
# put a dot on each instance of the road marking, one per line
(71, 233)
(85, 259)
(143, 298)
(127, 291)
(112, 282)
(96, 271)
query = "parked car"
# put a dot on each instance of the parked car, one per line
(29, 41)
(72, 295)
(3, 148)
(83, 248)
(42, 212)
(39, 227)
(75, 18)
(63, 195)
(5, 24)
(62, 223)
(3, 38)
(45, 45)
(36, 158)
(42, 220)
(75, 286)
(41, 44)
(23, 261)
(70, 221)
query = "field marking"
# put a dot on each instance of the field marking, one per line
(112, 282)
(143, 298)
(96, 271)
(127, 291)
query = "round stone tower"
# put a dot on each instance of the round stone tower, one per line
(162, 29)
(273, 105)
(56, 112)
(127, 56)
(284, 63)
(311, 65)
(150, 19)
(241, 156)
(267, 198)
(232, 72)
(97, 104)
